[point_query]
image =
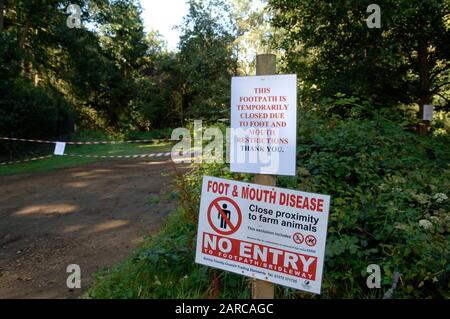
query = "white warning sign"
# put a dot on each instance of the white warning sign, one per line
(264, 124)
(264, 232)
(59, 148)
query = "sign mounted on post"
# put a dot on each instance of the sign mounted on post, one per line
(428, 112)
(268, 233)
(264, 124)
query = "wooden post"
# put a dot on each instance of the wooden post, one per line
(423, 128)
(265, 65)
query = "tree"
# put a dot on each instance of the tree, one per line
(206, 60)
(330, 46)
(95, 68)
(122, 38)
(30, 105)
(159, 97)
(2, 9)
(254, 33)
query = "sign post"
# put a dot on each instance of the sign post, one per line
(266, 64)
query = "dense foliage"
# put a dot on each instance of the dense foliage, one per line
(331, 47)
(390, 206)
(109, 74)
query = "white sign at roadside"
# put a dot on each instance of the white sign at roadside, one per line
(59, 148)
(264, 124)
(263, 232)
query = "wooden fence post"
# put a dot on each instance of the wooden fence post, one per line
(423, 128)
(265, 65)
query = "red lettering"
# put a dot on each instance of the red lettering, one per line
(298, 201)
(259, 255)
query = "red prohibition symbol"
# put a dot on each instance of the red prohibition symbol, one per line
(298, 238)
(222, 213)
(310, 240)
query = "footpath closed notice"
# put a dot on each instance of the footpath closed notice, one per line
(263, 232)
(264, 124)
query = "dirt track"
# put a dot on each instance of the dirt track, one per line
(92, 215)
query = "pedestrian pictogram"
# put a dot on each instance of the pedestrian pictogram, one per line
(310, 240)
(223, 223)
(224, 215)
(298, 238)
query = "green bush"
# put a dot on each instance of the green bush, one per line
(383, 183)
(163, 267)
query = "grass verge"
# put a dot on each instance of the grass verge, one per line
(163, 268)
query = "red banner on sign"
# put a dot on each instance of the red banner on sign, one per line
(262, 256)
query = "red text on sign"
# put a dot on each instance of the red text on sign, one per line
(218, 187)
(261, 256)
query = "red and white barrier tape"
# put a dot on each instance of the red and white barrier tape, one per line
(26, 160)
(121, 156)
(91, 156)
(74, 143)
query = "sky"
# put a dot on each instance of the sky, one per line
(163, 15)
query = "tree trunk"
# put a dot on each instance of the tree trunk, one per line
(35, 76)
(23, 36)
(425, 80)
(183, 107)
(2, 8)
(185, 101)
